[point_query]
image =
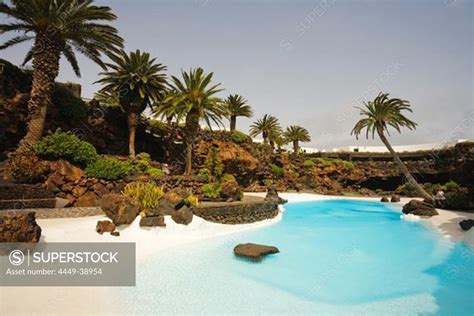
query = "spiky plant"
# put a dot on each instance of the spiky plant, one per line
(237, 106)
(267, 126)
(138, 81)
(58, 28)
(380, 114)
(297, 134)
(193, 99)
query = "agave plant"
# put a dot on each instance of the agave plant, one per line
(380, 114)
(297, 134)
(138, 81)
(193, 99)
(267, 126)
(58, 28)
(237, 106)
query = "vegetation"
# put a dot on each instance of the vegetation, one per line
(109, 169)
(147, 194)
(457, 200)
(191, 201)
(65, 145)
(214, 164)
(378, 115)
(239, 137)
(204, 175)
(69, 106)
(308, 164)
(212, 190)
(297, 134)
(267, 126)
(137, 80)
(58, 27)
(193, 99)
(277, 171)
(237, 106)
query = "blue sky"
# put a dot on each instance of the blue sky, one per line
(310, 62)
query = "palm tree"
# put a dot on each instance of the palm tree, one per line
(138, 81)
(297, 134)
(267, 126)
(58, 28)
(381, 113)
(164, 109)
(279, 140)
(237, 106)
(194, 100)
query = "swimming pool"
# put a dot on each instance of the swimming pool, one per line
(337, 257)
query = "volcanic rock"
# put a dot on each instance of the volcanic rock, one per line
(420, 208)
(104, 227)
(467, 224)
(153, 221)
(254, 251)
(119, 209)
(183, 216)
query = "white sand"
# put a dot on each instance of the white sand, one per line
(97, 301)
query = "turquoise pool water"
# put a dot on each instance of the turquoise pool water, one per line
(337, 257)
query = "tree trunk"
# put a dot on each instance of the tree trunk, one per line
(404, 168)
(132, 128)
(233, 123)
(265, 138)
(296, 147)
(192, 128)
(45, 70)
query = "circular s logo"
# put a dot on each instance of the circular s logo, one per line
(16, 257)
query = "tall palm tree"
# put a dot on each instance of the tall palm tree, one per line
(237, 106)
(138, 81)
(381, 113)
(297, 134)
(267, 126)
(194, 100)
(58, 28)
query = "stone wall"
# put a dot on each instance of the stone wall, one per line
(19, 226)
(236, 212)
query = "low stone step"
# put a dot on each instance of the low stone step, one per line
(19, 204)
(13, 191)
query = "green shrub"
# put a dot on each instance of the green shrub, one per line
(406, 189)
(69, 106)
(451, 186)
(191, 200)
(147, 194)
(347, 165)
(155, 172)
(212, 190)
(204, 175)
(308, 163)
(239, 137)
(142, 162)
(432, 188)
(109, 169)
(64, 145)
(227, 177)
(214, 163)
(276, 170)
(457, 200)
(324, 162)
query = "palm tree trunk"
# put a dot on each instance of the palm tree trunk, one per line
(132, 128)
(296, 147)
(192, 128)
(45, 71)
(233, 123)
(404, 168)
